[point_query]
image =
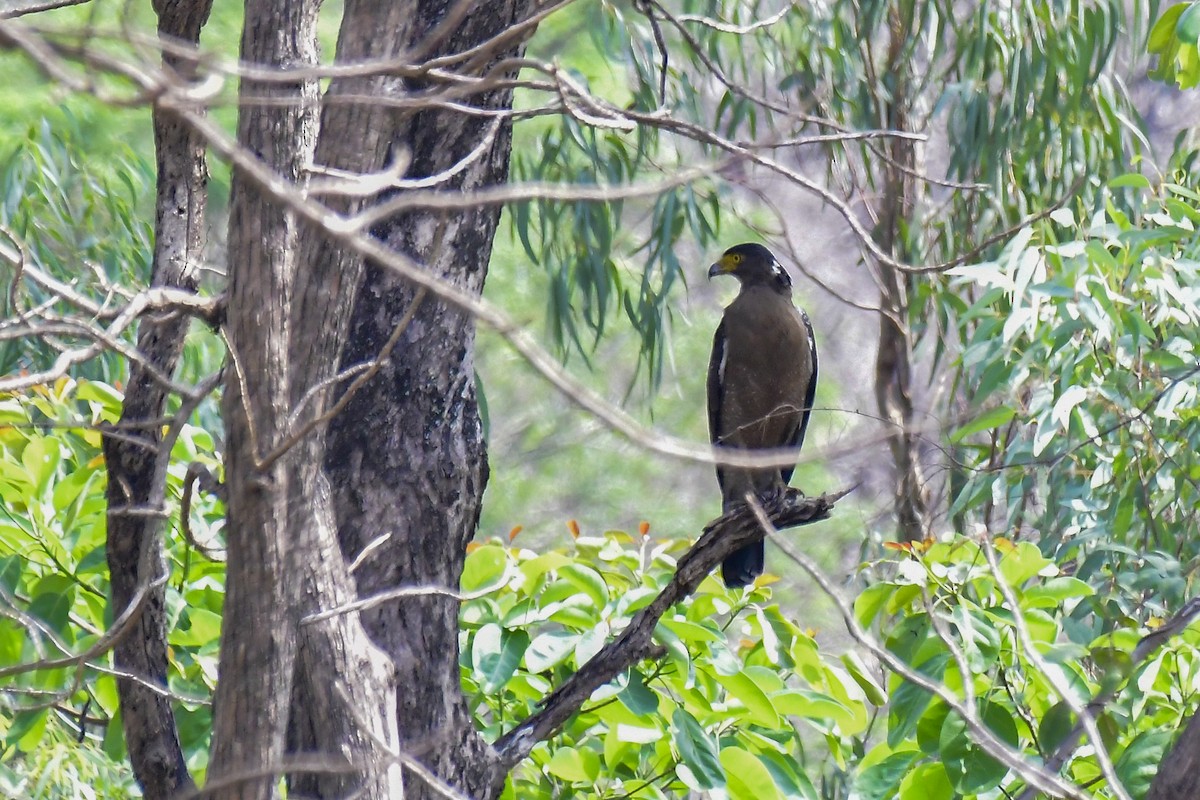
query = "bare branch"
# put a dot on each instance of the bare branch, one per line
(10, 9)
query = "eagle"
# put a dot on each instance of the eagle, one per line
(762, 378)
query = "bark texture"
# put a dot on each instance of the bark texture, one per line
(406, 460)
(893, 363)
(259, 635)
(135, 547)
(1179, 776)
(344, 692)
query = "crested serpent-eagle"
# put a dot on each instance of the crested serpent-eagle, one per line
(761, 381)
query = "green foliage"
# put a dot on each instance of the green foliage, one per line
(1022, 665)
(606, 255)
(54, 592)
(1080, 345)
(737, 703)
(1173, 39)
(85, 223)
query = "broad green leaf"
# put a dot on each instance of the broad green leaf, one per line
(588, 581)
(858, 671)
(638, 697)
(790, 778)
(1054, 591)
(1056, 724)
(870, 602)
(882, 780)
(759, 707)
(970, 768)
(926, 782)
(1139, 762)
(748, 778)
(808, 704)
(548, 650)
(484, 568)
(636, 734)
(576, 765)
(909, 701)
(52, 599)
(197, 626)
(697, 752)
(40, 458)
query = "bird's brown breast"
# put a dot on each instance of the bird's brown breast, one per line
(766, 370)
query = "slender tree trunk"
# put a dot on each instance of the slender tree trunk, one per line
(406, 460)
(893, 364)
(135, 540)
(259, 635)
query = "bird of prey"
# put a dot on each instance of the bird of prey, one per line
(761, 381)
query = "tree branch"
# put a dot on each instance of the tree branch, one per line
(729, 532)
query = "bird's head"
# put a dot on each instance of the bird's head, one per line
(751, 263)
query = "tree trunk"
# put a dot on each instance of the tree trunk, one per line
(259, 635)
(406, 460)
(893, 363)
(1179, 776)
(135, 540)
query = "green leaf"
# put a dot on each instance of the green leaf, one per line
(697, 753)
(10, 573)
(882, 780)
(1054, 591)
(484, 567)
(749, 778)
(1164, 30)
(548, 650)
(808, 704)
(577, 765)
(1022, 562)
(1134, 180)
(638, 697)
(1055, 726)
(743, 687)
(926, 782)
(495, 654)
(197, 627)
(40, 459)
(993, 418)
(53, 597)
(970, 768)
(871, 601)
(858, 671)
(27, 729)
(1188, 28)
(909, 701)
(790, 778)
(588, 581)
(1140, 761)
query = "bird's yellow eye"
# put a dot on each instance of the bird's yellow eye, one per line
(735, 258)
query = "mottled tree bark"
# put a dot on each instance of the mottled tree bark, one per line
(344, 691)
(135, 547)
(259, 634)
(406, 460)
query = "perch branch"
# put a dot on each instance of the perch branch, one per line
(733, 530)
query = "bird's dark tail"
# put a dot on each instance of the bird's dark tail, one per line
(743, 566)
